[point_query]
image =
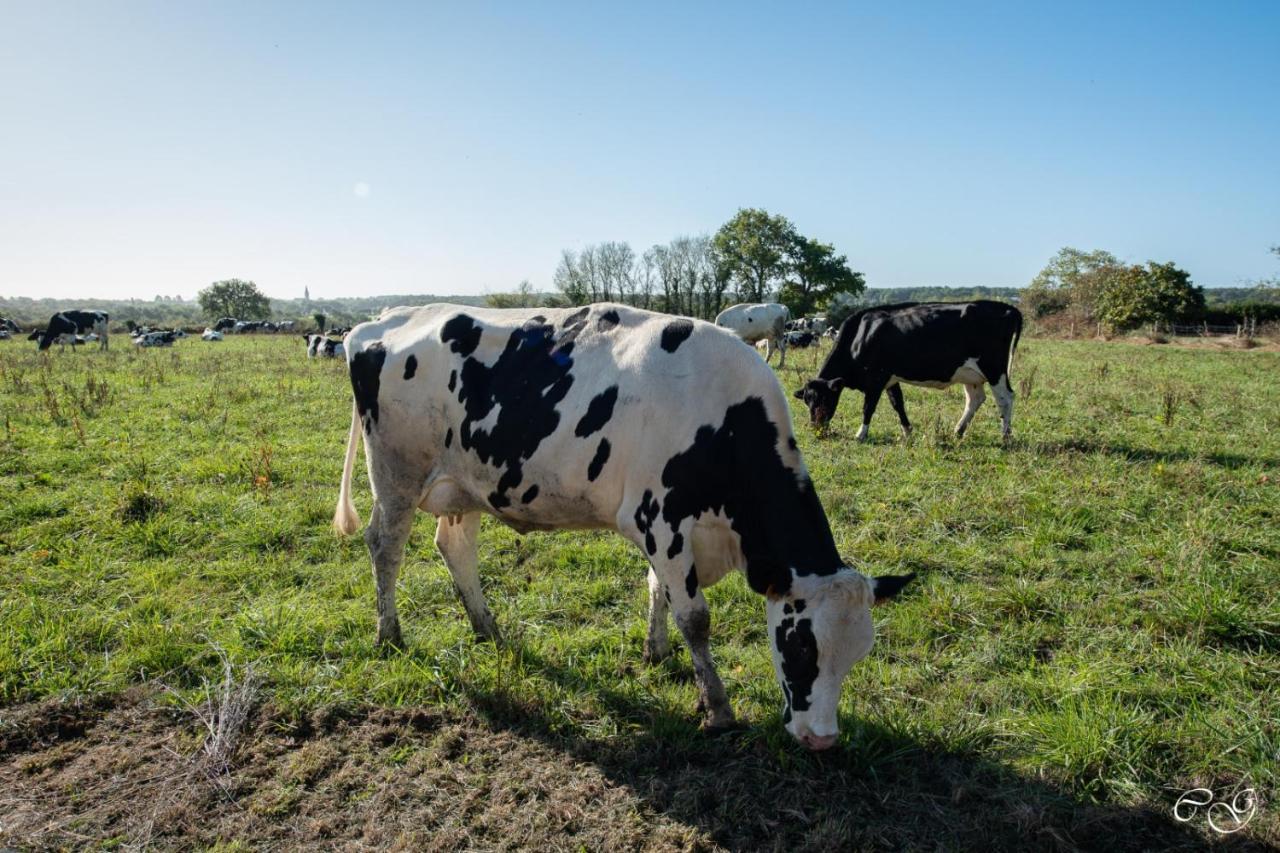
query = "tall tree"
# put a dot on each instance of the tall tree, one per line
(751, 252)
(234, 298)
(817, 275)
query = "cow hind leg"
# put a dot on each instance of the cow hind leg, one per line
(456, 538)
(1004, 400)
(900, 406)
(386, 535)
(657, 644)
(973, 397)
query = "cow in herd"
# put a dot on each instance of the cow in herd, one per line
(759, 321)
(602, 417)
(65, 326)
(323, 347)
(933, 344)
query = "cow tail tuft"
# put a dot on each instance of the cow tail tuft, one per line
(345, 518)
(1017, 336)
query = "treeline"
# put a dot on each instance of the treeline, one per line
(1094, 287)
(754, 257)
(167, 312)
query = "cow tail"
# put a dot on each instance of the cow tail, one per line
(1013, 347)
(345, 518)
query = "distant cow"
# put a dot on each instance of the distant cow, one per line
(602, 418)
(801, 340)
(286, 325)
(933, 344)
(225, 323)
(319, 345)
(9, 326)
(155, 339)
(74, 323)
(759, 321)
(211, 335)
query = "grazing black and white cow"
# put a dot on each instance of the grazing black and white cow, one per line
(319, 345)
(601, 417)
(211, 335)
(9, 326)
(225, 323)
(74, 323)
(801, 340)
(758, 321)
(934, 344)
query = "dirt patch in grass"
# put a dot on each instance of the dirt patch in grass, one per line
(483, 778)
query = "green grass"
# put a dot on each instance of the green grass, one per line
(1098, 607)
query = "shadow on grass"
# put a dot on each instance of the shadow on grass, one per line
(1149, 454)
(751, 788)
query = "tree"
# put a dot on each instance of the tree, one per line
(569, 280)
(818, 274)
(234, 298)
(1072, 281)
(751, 252)
(523, 297)
(1157, 293)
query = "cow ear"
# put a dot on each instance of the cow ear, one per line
(888, 586)
(835, 384)
(799, 395)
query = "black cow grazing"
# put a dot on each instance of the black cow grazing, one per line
(225, 323)
(75, 322)
(934, 344)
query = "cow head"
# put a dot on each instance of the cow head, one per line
(817, 632)
(821, 396)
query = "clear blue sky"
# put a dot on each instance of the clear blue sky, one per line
(384, 148)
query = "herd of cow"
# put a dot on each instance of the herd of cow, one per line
(664, 429)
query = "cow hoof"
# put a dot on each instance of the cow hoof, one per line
(655, 656)
(391, 642)
(719, 725)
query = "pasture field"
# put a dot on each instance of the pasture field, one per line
(1094, 631)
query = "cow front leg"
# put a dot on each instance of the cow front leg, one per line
(693, 618)
(782, 349)
(657, 644)
(870, 400)
(388, 531)
(1004, 400)
(973, 397)
(900, 406)
(456, 537)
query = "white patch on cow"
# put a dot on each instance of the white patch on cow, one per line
(974, 395)
(862, 433)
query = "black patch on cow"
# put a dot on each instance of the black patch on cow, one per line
(448, 437)
(788, 609)
(607, 320)
(366, 375)
(529, 494)
(799, 649)
(646, 514)
(791, 442)
(800, 605)
(529, 379)
(675, 333)
(499, 500)
(577, 317)
(599, 411)
(667, 592)
(691, 581)
(597, 461)
(410, 366)
(736, 469)
(677, 545)
(453, 379)
(573, 325)
(461, 334)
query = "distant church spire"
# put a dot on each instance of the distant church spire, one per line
(306, 293)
